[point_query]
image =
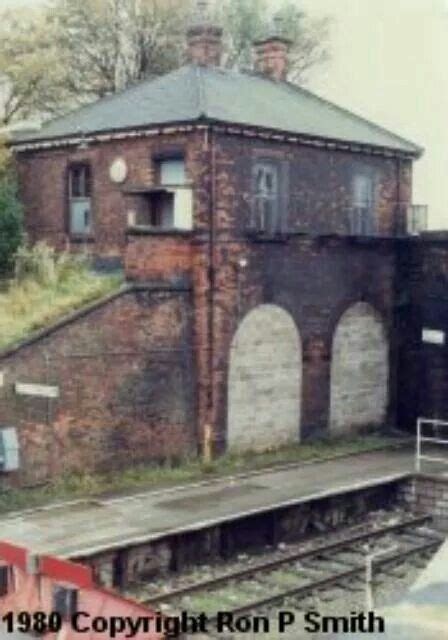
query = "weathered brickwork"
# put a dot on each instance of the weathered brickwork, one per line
(43, 177)
(317, 185)
(427, 494)
(313, 278)
(310, 274)
(265, 372)
(164, 256)
(126, 395)
(359, 370)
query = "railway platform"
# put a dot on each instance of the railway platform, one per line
(84, 528)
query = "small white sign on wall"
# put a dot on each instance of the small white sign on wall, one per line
(2, 378)
(433, 336)
(40, 390)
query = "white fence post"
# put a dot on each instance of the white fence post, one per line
(419, 455)
(419, 446)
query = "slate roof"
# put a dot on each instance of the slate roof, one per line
(194, 93)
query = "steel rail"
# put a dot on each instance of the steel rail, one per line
(323, 583)
(207, 585)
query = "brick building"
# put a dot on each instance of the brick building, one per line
(262, 232)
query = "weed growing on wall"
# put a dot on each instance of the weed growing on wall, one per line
(46, 286)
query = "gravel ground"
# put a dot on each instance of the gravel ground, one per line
(337, 602)
(390, 586)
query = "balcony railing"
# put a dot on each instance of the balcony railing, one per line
(289, 216)
(416, 218)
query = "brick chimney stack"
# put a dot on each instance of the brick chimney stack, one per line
(271, 54)
(204, 40)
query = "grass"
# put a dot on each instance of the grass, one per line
(141, 478)
(46, 287)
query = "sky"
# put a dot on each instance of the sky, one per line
(389, 64)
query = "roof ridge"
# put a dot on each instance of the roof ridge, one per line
(335, 107)
(202, 101)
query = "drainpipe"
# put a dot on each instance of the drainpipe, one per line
(208, 432)
(395, 351)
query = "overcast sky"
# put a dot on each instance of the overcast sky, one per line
(390, 64)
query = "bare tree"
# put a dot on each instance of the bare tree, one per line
(75, 51)
(107, 45)
(28, 65)
(248, 20)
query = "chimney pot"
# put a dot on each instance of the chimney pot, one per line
(204, 43)
(204, 39)
(271, 57)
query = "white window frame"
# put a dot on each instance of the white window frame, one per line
(266, 213)
(82, 204)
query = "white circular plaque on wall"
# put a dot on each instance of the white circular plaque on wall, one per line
(118, 171)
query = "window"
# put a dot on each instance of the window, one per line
(65, 601)
(4, 580)
(169, 205)
(161, 210)
(266, 209)
(363, 206)
(79, 190)
(172, 172)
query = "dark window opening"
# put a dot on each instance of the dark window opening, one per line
(168, 206)
(65, 601)
(161, 210)
(5, 572)
(80, 204)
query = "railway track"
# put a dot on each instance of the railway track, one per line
(303, 573)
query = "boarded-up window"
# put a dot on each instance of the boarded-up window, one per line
(265, 381)
(359, 370)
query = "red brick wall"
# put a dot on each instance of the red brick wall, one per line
(43, 185)
(314, 279)
(317, 184)
(158, 256)
(125, 372)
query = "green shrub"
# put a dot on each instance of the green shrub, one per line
(41, 264)
(11, 230)
(47, 286)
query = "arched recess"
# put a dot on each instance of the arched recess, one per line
(359, 370)
(265, 381)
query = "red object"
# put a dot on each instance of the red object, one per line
(33, 593)
(65, 571)
(13, 555)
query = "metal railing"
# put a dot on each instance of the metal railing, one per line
(416, 218)
(421, 439)
(289, 214)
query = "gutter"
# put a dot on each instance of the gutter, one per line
(203, 122)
